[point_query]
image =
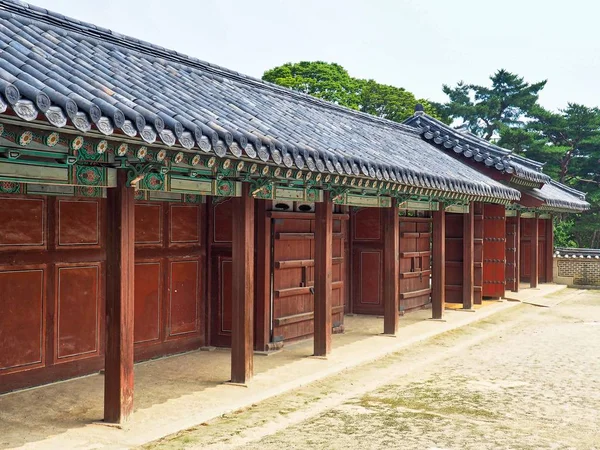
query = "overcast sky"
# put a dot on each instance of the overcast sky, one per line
(415, 44)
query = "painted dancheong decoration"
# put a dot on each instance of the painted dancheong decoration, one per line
(196, 206)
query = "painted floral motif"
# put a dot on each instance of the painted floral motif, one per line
(239, 166)
(88, 191)
(178, 158)
(224, 187)
(161, 155)
(277, 171)
(122, 149)
(142, 152)
(308, 176)
(77, 143)
(265, 171)
(1, 129)
(25, 138)
(154, 181)
(89, 175)
(253, 168)
(52, 139)
(211, 162)
(101, 147)
(289, 173)
(10, 187)
(226, 164)
(196, 160)
(318, 177)
(140, 195)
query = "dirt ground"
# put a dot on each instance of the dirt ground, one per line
(527, 378)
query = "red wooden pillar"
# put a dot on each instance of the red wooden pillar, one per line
(549, 250)
(391, 268)
(120, 267)
(242, 293)
(323, 274)
(535, 242)
(438, 273)
(468, 257)
(518, 253)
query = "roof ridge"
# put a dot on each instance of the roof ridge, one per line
(485, 142)
(72, 24)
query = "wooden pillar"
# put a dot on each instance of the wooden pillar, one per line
(549, 250)
(518, 253)
(323, 274)
(242, 292)
(438, 273)
(468, 257)
(391, 268)
(120, 267)
(535, 243)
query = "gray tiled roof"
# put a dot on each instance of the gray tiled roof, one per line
(480, 150)
(557, 195)
(98, 79)
(588, 253)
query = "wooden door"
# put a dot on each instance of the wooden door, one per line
(415, 262)
(525, 257)
(512, 262)
(367, 261)
(454, 258)
(478, 253)
(494, 250)
(293, 275)
(220, 271)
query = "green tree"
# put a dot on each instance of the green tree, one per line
(485, 110)
(331, 82)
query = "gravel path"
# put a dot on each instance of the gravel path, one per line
(528, 378)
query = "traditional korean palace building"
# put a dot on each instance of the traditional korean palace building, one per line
(152, 203)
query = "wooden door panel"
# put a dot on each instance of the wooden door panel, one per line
(148, 289)
(494, 251)
(25, 227)
(22, 318)
(77, 326)
(454, 258)
(293, 277)
(511, 253)
(183, 297)
(368, 276)
(415, 262)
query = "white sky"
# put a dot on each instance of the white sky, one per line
(415, 44)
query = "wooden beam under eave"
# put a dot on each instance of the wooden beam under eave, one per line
(535, 243)
(323, 275)
(468, 257)
(391, 268)
(120, 267)
(242, 292)
(438, 272)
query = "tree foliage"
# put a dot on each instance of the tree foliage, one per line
(485, 110)
(331, 82)
(567, 141)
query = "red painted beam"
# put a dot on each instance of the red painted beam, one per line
(242, 294)
(120, 268)
(323, 275)
(438, 275)
(391, 268)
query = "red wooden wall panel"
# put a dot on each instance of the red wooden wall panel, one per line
(25, 227)
(77, 311)
(148, 224)
(454, 258)
(494, 250)
(78, 223)
(415, 260)
(22, 318)
(148, 296)
(544, 260)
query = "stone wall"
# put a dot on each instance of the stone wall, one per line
(578, 267)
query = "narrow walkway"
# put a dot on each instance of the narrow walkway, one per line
(179, 392)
